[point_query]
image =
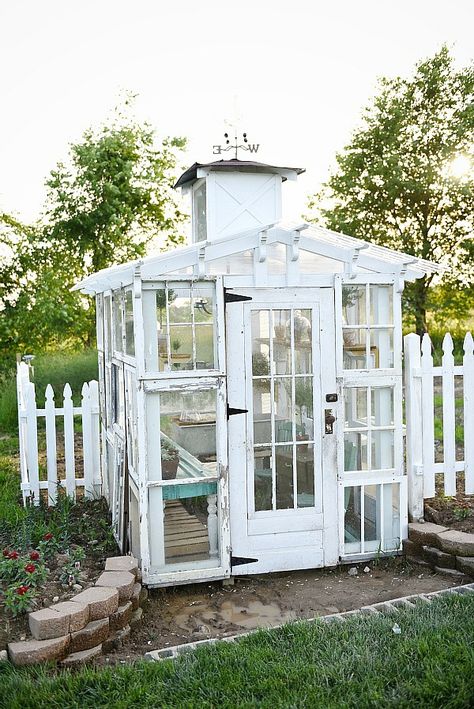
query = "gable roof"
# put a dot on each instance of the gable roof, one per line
(354, 254)
(234, 165)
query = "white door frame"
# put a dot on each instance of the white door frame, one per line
(295, 538)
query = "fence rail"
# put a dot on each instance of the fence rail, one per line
(81, 453)
(457, 385)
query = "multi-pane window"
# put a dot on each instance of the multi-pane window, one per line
(367, 312)
(186, 323)
(129, 327)
(372, 519)
(283, 420)
(369, 428)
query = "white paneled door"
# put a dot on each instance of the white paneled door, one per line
(282, 399)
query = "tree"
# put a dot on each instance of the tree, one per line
(404, 182)
(115, 194)
(113, 197)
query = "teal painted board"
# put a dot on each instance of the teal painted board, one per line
(181, 492)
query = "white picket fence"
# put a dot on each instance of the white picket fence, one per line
(420, 418)
(73, 474)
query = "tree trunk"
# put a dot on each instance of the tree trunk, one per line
(420, 298)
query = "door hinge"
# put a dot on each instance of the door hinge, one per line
(240, 560)
(234, 297)
(233, 412)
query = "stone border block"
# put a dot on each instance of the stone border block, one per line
(102, 602)
(121, 617)
(425, 534)
(454, 542)
(92, 635)
(46, 624)
(123, 581)
(81, 658)
(78, 614)
(31, 652)
(122, 563)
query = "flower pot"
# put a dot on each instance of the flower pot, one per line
(169, 469)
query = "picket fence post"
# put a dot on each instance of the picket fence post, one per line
(468, 387)
(69, 442)
(449, 417)
(22, 378)
(413, 403)
(32, 443)
(427, 416)
(51, 455)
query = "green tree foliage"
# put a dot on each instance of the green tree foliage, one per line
(103, 207)
(396, 182)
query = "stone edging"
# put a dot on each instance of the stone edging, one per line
(444, 550)
(383, 607)
(94, 621)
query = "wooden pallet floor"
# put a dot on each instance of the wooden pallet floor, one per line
(186, 536)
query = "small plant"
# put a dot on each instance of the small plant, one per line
(169, 459)
(72, 568)
(19, 599)
(176, 345)
(460, 513)
(49, 546)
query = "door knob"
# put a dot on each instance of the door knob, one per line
(329, 420)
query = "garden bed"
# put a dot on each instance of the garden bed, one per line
(63, 550)
(455, 512)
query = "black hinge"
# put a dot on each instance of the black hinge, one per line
(233, 412)
(234, 297)
(240, 560)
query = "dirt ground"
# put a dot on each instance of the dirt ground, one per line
(187, 613)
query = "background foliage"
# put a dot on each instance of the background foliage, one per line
(396, 182)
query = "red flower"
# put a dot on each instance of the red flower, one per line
(13, 555)
(47, 537)
(6, 552)
(30, 568)
(34, 555)
(22, 590)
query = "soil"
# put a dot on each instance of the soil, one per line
(184, 614)
(453, 512)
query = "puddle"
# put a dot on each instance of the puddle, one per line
(201, 618)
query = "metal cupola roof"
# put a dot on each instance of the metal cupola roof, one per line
(235, 165)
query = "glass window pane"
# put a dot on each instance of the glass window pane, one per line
(354, 305)
(199, 212)
(281, 341)
(108, 327)
(352, 521)
(304, 408)
(129, 327)
(354, 349)
(391, 522)
(179, 303)
(371, 516)
(203, 304)
(240, 264)
(187, 527)
(355, 451)
(381, 305)
(188, 433)
(303, 341)
(382, 450)
(382, 406)
(284, 477)
(305, 474)
(282, 410)
(260, 342)
(263, 479)
(315, 263)
(355, 407)
(181, 344)
(262, 408)
(118, 396)
(381, 348)
(117, 311)
(204, 346)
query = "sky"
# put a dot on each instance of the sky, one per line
(298, 73)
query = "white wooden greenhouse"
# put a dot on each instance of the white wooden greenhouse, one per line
(251, 389)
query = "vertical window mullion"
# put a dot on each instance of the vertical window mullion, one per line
(293, 396)
(367, 326)
(168, 337)
(272, 404)
(382, 518)
(362, 518)
(193, 327)
(369, 427)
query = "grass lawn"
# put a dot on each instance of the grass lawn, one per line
(358, 663)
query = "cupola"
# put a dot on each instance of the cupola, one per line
(231, 196)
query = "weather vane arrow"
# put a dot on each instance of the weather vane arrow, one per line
(251, 147)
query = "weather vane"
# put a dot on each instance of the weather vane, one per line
(251, 147)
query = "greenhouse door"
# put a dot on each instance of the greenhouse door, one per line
(282, 397)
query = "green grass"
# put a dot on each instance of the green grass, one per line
(358, 663)
(55, 368)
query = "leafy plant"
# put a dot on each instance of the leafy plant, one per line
(19, 599)
(175, 345)
(168, 450)
(72, 568)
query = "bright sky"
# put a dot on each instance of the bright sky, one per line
(300, 71)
